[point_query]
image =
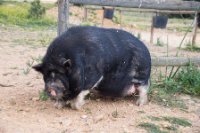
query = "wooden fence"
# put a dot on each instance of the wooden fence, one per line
(163, 6)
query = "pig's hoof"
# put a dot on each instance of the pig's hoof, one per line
(76, 105)
(142, 101)
(59, 104)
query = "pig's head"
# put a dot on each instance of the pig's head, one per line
(56, 77)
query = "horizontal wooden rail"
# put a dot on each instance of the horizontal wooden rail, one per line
(145, 10)
(175, 61)
(143, 4)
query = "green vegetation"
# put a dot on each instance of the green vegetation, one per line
(164, 90)
(162, 97)
(43, 96)
(189, 80)
(153, 118)
(139, 36)
(142, 21)
(17, 13)
(29, 64)
(159, 42)
(116, 19)
(179, 24)
(172, 120)
(177, 121)
(87, 23)
(151, 128)
(135, 19)
(36, 10)
(42, 39)
(191, 47)
(173, 125)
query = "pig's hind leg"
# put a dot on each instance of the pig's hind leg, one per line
(142, 90)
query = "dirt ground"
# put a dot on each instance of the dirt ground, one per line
(21, 110)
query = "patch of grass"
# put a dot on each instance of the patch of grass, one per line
(179, 24)
(130, 17)
(29, 65)
(14, 68)
(173, 121)
(153, 118)
(16, 13)
(88, 110)
(189, 80)
(171, 128)
(45, 40)
(159, 42)
(143, 27)
(41, 40)
(191, 47)
(141, 112)
(179, 28)
(139, 36)
(151, 128)
(87, 23)
(26, 70)
(37, 59)
(162, 96)
(43, 96)
(24, 41)
(164, 90)
(178, 121)
(116, 19)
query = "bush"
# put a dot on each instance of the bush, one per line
(36, 10)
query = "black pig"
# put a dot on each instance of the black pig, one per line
(110, 61)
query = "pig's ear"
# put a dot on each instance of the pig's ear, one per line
(66, 62)
(38, 67)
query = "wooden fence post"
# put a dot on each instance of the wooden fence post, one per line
(120, 18)
(152, 31)
(195, 27)
(102, 22)
(63, 16)
(85, 14)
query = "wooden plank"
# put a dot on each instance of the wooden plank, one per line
(152, 32)
(63, 16)
(120, 18)
(143, 4)
(175, 61)
(195, 27)
(144, 10)
(85, 14)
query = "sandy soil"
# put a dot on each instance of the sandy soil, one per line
(21, 111)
